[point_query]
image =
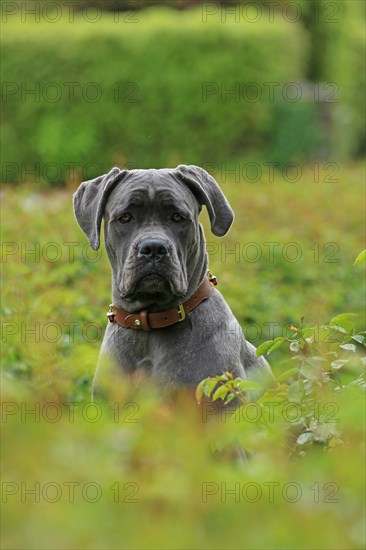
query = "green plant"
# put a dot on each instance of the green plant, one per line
(106, 106)
(325, 363)
(54, 441)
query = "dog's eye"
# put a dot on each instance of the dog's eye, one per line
(177, 217)
(125, 218)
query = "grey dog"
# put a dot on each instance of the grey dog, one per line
(156, 249)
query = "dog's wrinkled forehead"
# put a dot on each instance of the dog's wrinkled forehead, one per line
(187, 184)
(152, 188)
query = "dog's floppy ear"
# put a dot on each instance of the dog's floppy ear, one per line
(90, 200)
(207, 192)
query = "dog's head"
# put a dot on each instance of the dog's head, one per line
(153, 239)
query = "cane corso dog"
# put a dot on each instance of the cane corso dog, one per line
(167, 318)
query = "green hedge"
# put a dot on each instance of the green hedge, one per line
(160, 118)
(344, 64)
(337, 57)
(149, 79)
(128, 5)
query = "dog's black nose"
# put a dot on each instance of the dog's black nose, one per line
(152, 249)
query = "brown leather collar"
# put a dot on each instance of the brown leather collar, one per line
(148, 321)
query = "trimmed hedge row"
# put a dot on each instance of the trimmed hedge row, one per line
(169, 89)
(344, 64)
(337, 32)
(161, 92)
(130, 5)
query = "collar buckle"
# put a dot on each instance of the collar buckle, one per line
(181, 312)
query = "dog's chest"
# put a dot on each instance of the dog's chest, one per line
(136, 349)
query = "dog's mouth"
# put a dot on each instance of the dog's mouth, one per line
(152, 283)
(147, 285)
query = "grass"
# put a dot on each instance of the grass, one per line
(179, 469)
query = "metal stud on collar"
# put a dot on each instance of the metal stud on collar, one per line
(111, 314)
(211, 278)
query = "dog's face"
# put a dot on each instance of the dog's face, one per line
(151, 236)
(153, 239)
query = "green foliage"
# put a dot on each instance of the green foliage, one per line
(327, 361)
(337, 58)
(105, 106)
(302, 338)
(186, 114)
(321, 281)
(360, 258)
(304, 437)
